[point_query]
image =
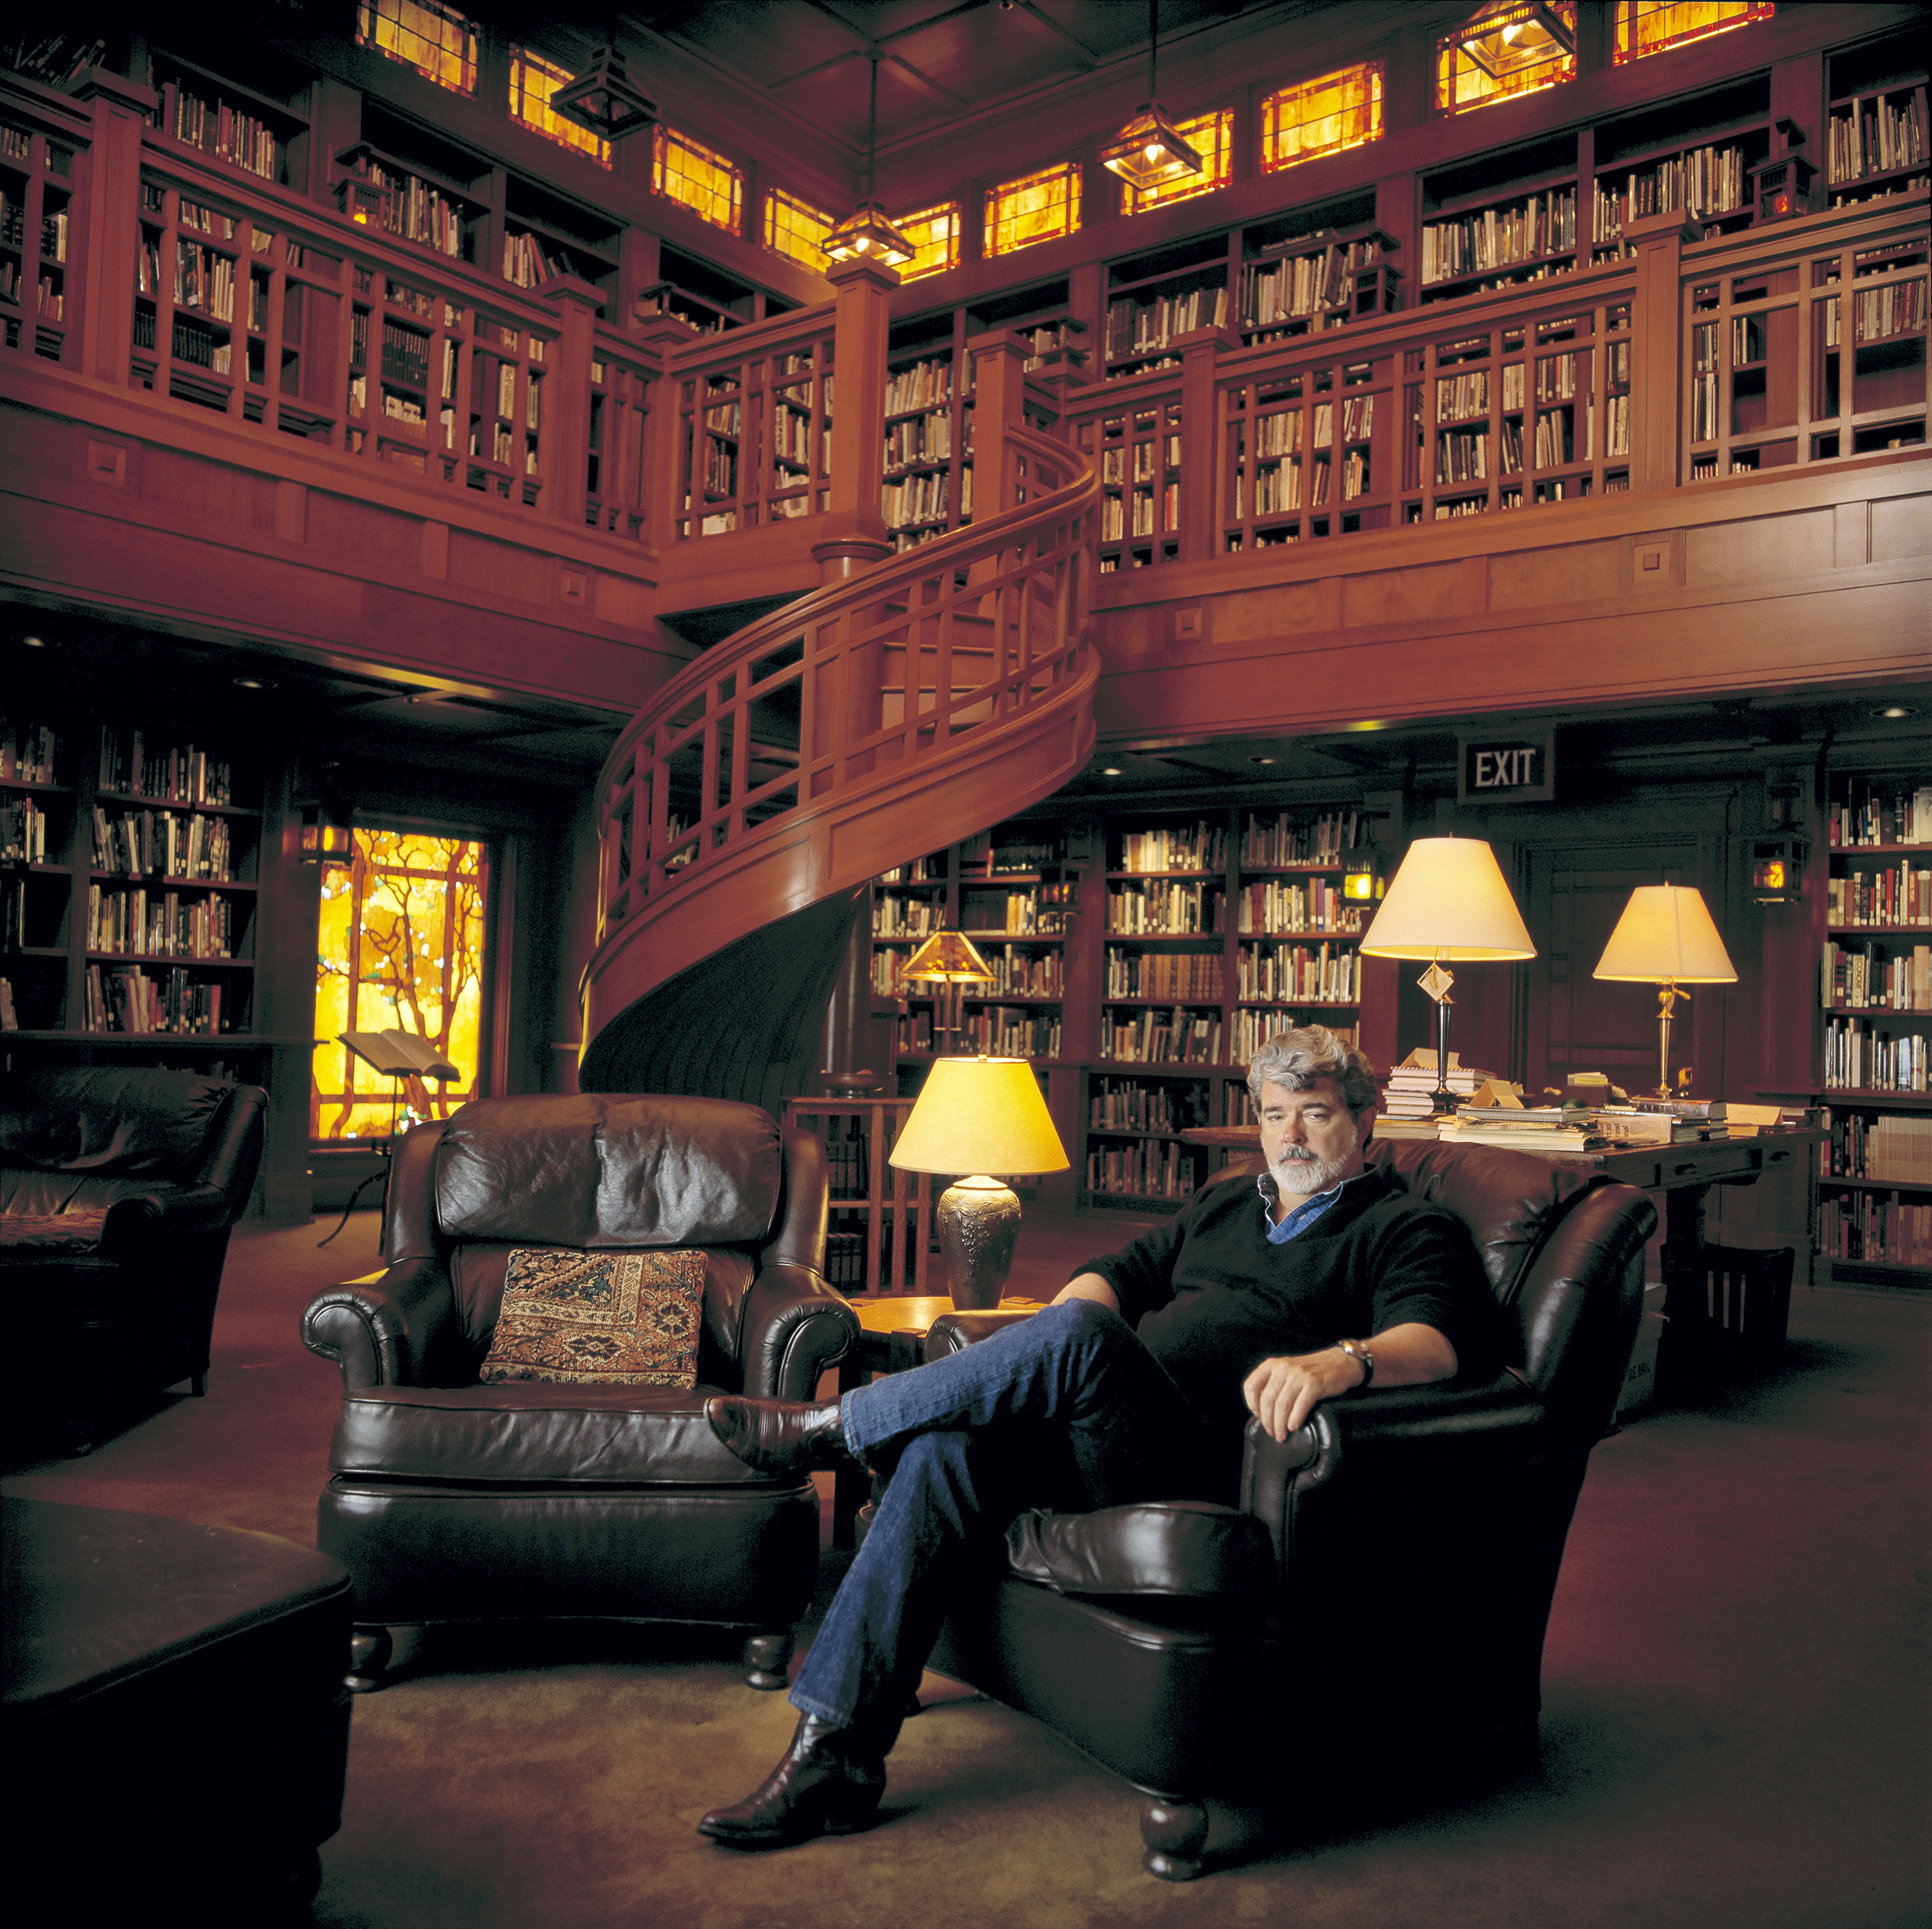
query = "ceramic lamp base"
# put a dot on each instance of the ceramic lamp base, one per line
(978, 1220)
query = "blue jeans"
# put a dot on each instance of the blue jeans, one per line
(1066, 1411)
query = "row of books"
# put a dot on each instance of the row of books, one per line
(1136, 327)
(1887, 1146)
(1278, 488)
(1176, 1037)
(1283, 840)
(228, 134)
(1323, 973)
(1163, 975)
(1020, 912)
(1146, 520)
(924, 385)
(1279, 906)
(1879, 313)
(1255, 1025)
(1898, 894)
(9, 1015)
(1875, 137)
(23, 831)
(124, 999)
(1871, 977)
(1126, 1105)
(190, 341)
(172, 843)
(1495, 237)
(923, 499)
(905, 917)
(1147, 458)
(179, 774)
(1860, 1226)
(845, 1261)
(1706, 180)
(416, 211)
(1297, 284)
(1163, 908)
(917, 439)
(159, 924)
(1879, 813)
(1009, 1031)
(205, 279)
(1858, 1059)
(1201, 846)
(1144, 1171)
(848, 1166)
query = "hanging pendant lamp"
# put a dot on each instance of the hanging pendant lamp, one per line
(604, 98)
(867, 234)
(1150, 151)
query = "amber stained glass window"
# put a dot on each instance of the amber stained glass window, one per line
(1325, 116)
(1211, 135)
(439, 42)
(1505, 49)
(1650, 26)
(399, 947)
(1035, 208)
(934, 233)
(685, 170)
(533, 80)
(794, 228)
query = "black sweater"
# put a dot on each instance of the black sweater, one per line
(1211, 1299)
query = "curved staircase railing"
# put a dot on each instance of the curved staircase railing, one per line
(874, 719)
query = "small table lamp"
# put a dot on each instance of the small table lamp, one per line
(982, 1116)
(948, 961)
(1447, 903)
(1665, 937)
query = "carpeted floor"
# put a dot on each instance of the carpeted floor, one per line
(1736, 1697)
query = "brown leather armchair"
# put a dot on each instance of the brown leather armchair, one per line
(449, 1501)
(118, 1189)
(1375, 1605)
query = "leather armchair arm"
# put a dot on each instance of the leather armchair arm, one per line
(1184, 1549)
(954, 1331)
(793, 1327)
(380, 1330)
(138, 1221)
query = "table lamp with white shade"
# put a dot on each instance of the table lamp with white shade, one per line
(978, 1115)
(1665, 937)
(1447, 903)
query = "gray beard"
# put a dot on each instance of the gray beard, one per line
(1307, 1175)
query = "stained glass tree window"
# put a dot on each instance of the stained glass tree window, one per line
(400, 945)
(439, 42)
(796, 228)
(1323, 116)
(1035, 208)
(686, 170)
(934, 233)
(1653, 26)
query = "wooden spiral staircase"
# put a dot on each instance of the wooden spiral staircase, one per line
(743, 811)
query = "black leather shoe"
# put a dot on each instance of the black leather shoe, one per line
(828, 1783)
(780, 1436)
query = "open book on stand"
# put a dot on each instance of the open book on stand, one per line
(400, 1054)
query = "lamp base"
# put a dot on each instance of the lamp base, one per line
(978, 1220)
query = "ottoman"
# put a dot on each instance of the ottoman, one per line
(173, 1711)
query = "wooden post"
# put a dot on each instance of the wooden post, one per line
(567, 431)
(858, 422)
(1200, 435)
(1657, 346)
(662, 484)
(110, 234)
(999, 403)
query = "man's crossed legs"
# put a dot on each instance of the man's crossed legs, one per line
(1066, 1411)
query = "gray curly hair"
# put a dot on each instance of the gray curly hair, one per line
(1301, 1059)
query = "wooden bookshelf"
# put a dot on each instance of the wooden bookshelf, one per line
(39, 242)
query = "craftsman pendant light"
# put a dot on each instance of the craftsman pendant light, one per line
(604, 98)
(1150, 151)
(867, 234)
(1507, 36)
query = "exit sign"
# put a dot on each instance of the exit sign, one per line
(1513, 769)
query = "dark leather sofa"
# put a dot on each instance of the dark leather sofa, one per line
(118, 1189)
(452, 1501)
(1374, 1609)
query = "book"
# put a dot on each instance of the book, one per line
(398, 1054)
(1684, 1108)
(1544, 1138)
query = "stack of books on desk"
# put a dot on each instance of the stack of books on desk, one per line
(1529, 1128)
(1635, 1125)
(1406, 1094)
(1690, 1119)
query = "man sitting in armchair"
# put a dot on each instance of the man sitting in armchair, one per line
(1135, 1385)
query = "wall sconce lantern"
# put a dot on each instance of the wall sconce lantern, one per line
(1777, 869)
(1780, 186)
(323, 841)
(1362, 883)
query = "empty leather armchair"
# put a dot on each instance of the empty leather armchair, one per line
(453, 1500)
(1375, 1604)
(118, 1189)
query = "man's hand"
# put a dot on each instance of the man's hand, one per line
(1282, 1394)
(1089, 1286)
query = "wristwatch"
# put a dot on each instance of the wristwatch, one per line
(1357, 1349)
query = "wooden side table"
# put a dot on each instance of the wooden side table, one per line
(892, 1331)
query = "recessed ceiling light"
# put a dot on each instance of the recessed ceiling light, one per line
(1893, 712)
(34, 642)
(252, 683)
(1260, 760)
(1110, 770)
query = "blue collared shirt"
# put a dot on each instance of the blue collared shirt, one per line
(1300, 1218)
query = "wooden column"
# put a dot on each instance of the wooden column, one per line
(1656, 347)
(566, 431)
(110, 234)
(1199, 433)
(858, 421)
(662, 336)
(999, 403)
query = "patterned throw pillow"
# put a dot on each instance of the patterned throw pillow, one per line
(600, 1319)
